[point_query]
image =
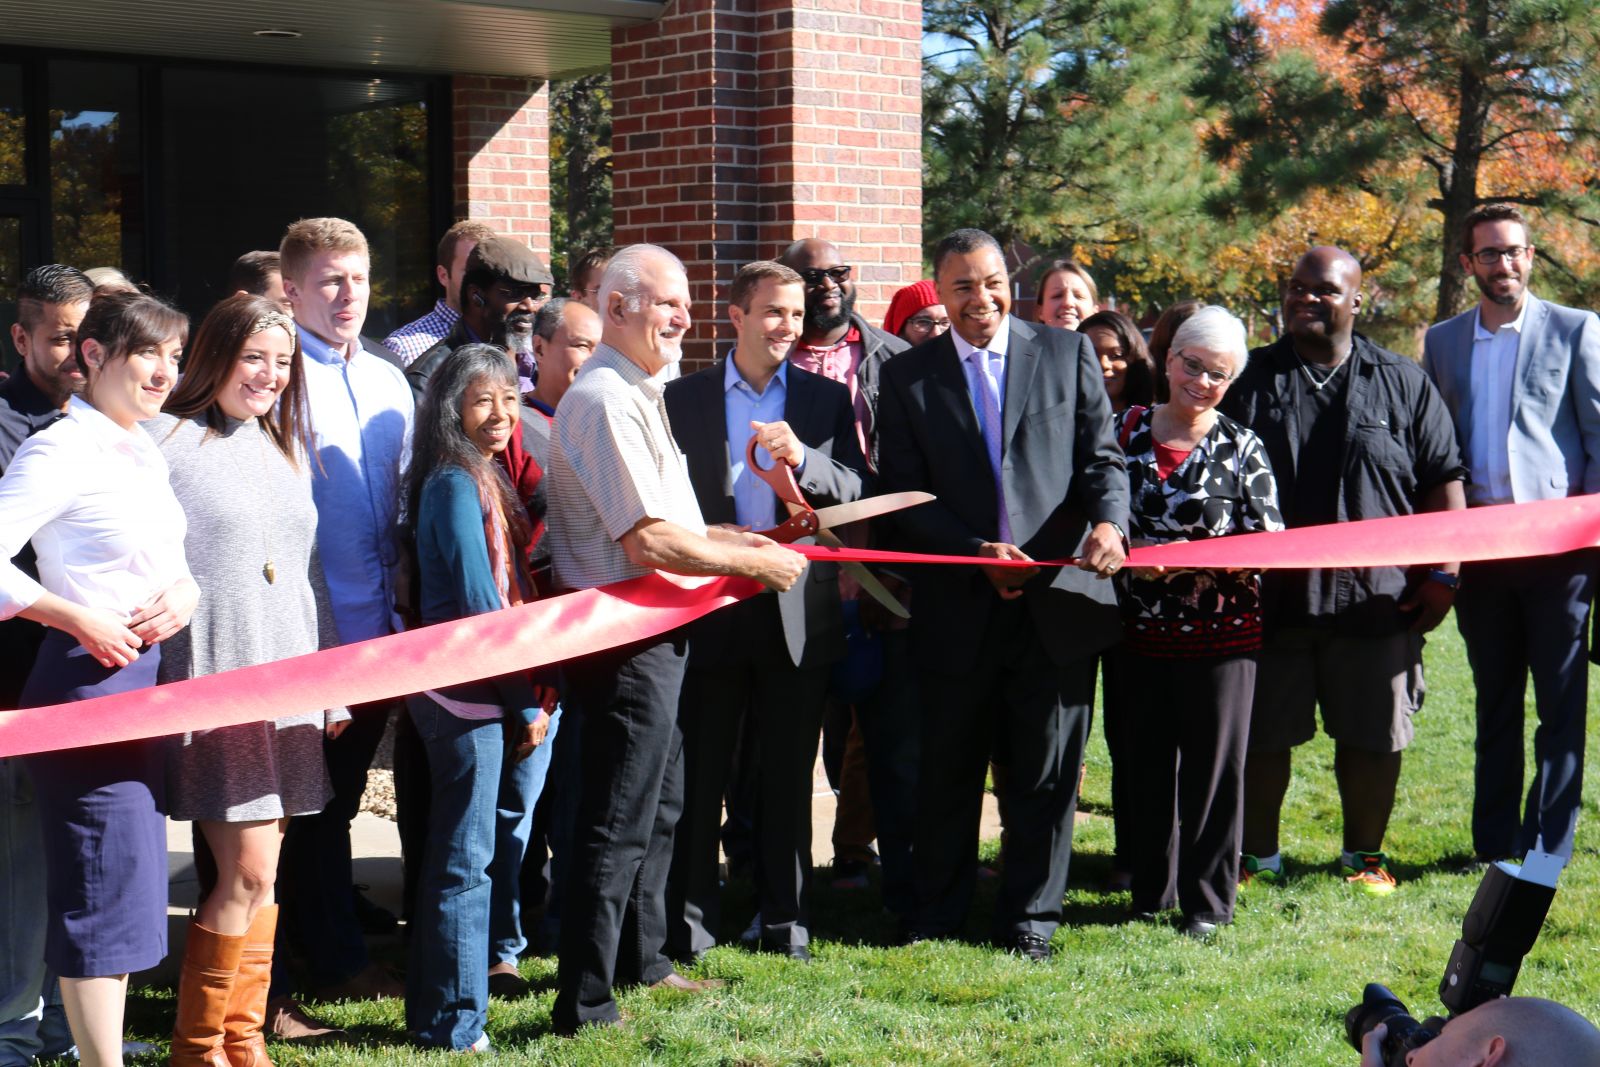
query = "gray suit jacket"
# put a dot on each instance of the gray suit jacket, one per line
(1554, 446)
(1062, 472)
(820, 414)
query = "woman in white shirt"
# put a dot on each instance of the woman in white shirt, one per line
(91, 493)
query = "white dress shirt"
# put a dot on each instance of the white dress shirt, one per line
(1494, 366)
(95, 501)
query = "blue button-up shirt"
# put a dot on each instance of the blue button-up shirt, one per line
(361, 417)
(754, 503)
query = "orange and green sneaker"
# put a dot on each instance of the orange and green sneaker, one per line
(1251, 872)
(1372, 875)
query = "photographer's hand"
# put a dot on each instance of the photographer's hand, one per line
(1372, 1046)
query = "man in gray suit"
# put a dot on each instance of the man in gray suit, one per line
(766, 660)
(1008, 424)
(1521, 377)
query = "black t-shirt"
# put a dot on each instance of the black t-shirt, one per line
(1320, 414)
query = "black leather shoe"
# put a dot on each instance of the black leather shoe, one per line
(1032, 946)
(1199, 929)
(798, 953)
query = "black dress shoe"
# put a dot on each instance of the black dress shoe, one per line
(798, 953)
(1199, 929)
(1032, 946)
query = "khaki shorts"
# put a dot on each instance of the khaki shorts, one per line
(1368, 689)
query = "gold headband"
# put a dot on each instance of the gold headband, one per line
(275, 318)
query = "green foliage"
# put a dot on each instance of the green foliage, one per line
(1060, 124)
(580, 169)
(380, 182)
(1475, 100)
(1270, 989)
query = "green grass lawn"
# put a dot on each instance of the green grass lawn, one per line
(1272, 988)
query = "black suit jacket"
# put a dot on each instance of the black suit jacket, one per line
(1062, 472)
(820, 413)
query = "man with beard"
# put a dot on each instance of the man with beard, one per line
(505, 285)
(51, 302)
(1522, 378)
(1354, 432)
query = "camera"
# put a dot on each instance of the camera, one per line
(1498, 930)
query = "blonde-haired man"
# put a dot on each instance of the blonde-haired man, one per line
(361, 411)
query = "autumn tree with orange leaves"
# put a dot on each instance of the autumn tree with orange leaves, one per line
(1426, 108)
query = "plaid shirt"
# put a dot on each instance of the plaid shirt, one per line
(614, 462)
(415, 338)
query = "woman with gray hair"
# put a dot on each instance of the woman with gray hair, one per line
(1191, 635)
(472, 537)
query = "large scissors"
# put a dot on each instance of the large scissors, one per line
(806, 521)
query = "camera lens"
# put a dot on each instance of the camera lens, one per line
(1379, 1005)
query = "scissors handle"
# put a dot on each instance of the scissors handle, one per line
(780, 476)
(802, 523)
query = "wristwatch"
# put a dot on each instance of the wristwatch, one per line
(1445, 578)
(1126, 547)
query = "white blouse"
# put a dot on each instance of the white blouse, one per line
(95, 501)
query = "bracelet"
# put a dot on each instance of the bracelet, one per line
(1445, 578)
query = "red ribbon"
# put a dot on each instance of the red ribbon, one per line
(530, 635)
(593, 620)
(1505, 531)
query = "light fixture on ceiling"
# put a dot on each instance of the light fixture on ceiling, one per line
(279, 35)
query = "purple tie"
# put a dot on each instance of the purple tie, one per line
(989, 393)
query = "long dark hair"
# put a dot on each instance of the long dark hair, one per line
(1139, 386)
(217, 344)
(439, 439)
(123, 323)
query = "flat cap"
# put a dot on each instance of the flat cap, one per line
(511, 259)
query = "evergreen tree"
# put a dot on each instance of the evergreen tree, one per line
(1482, 100)
(580, 168)
(1063, 124)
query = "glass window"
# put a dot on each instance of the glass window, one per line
(13, 127)
(298, 146)
(11, 271)
(96, 190)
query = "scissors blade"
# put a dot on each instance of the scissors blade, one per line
(872, 506)
(866, 579)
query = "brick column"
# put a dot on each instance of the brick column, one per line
(739, 126)
(502, 155)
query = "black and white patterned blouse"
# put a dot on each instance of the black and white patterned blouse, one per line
(1224, 486)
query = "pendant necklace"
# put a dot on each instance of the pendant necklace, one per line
(1317, 384)
(269, 571)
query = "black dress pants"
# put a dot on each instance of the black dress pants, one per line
(1039, 711)
(1517, 617)
(784, 708)
(1188, 723)
(630, 794)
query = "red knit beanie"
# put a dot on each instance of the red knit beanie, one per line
(907, 302)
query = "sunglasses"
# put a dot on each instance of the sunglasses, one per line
(813, 276)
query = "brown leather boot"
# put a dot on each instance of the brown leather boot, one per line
(210, 963)
(247, 1008)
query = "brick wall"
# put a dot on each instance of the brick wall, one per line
(739, 126)
(502, 155)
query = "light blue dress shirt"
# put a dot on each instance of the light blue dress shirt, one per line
(997, 363)
(754, 503)
(1494, 366)
(361, 419)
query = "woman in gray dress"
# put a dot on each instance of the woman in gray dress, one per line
(231, 435)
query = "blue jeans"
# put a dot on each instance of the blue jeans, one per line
(520, 787)
(31, 1020)
(474, 844)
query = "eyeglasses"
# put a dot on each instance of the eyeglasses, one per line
(813, 276)
(516, 294)
(1488, 257)
(922, 322)
(1195, 369)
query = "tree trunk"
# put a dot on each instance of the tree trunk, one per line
(1459, 188)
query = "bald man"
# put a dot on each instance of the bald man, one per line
(1354, 432)
(1512, 1032)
